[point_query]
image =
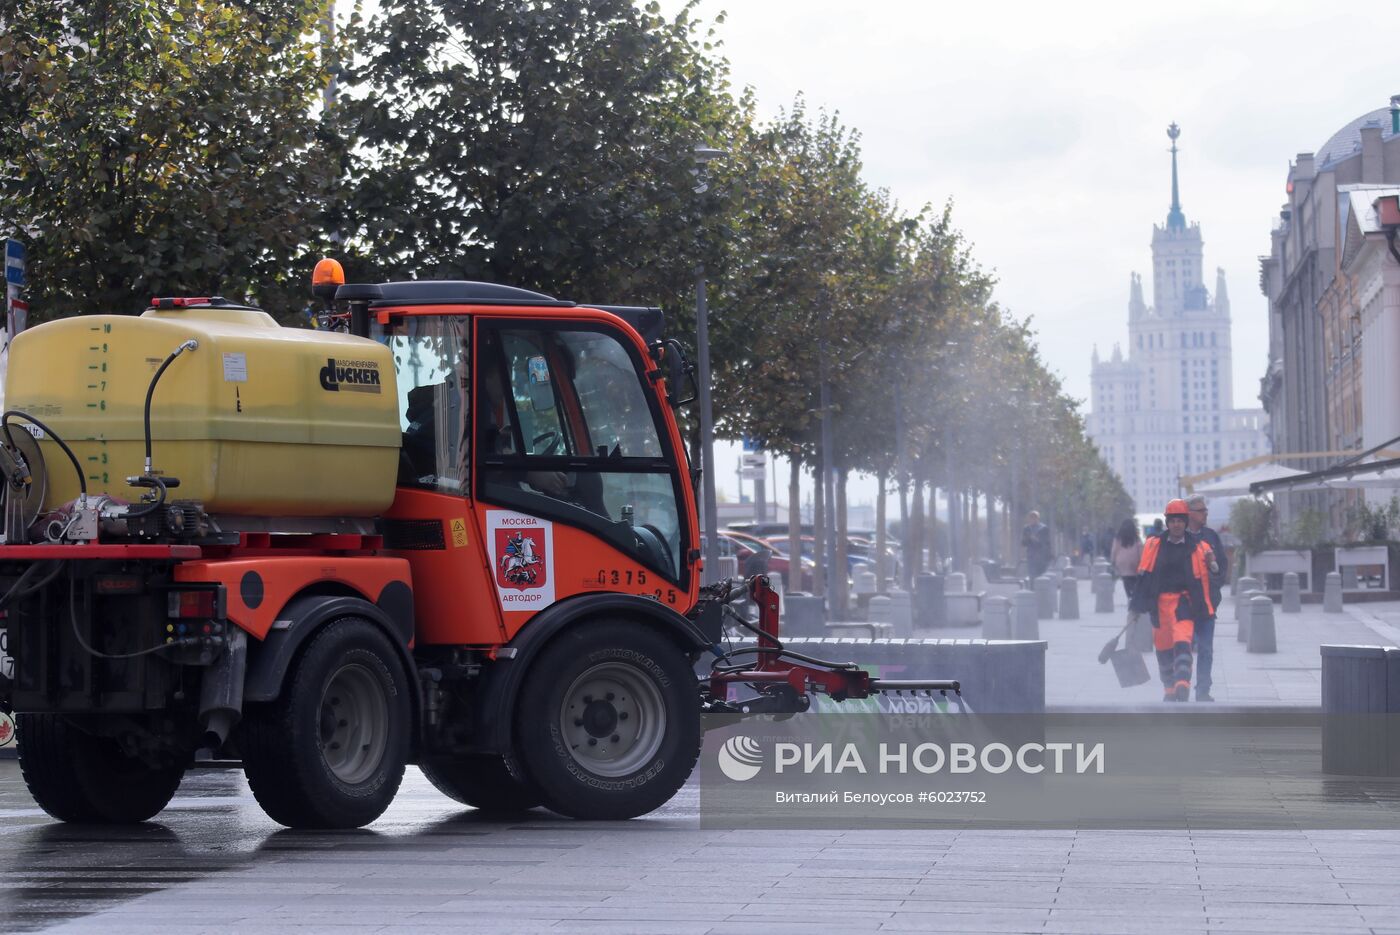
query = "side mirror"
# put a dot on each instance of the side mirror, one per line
(678, 369)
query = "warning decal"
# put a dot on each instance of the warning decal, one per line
(459, 533)
(522, 559)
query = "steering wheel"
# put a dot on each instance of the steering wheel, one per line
(546, 443)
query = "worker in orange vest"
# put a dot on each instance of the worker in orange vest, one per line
(1174, 589)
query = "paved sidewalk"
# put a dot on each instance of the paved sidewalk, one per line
(1291, 676)
(213, 864)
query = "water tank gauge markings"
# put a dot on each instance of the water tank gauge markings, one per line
(97, 400)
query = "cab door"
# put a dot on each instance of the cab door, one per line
(575, 487)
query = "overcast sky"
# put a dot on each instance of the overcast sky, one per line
(1046, 124)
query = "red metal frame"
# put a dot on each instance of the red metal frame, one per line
(772, 669)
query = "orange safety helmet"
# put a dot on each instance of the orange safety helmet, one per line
(1177, 508)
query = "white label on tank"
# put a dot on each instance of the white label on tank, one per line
(236, 368)
(7, 663)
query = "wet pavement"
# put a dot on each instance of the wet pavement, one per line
(213, 863)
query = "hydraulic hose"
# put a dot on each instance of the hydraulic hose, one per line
(188, 345)
(9, 440)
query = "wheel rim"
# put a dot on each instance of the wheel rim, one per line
(613, 719)
(354, 723)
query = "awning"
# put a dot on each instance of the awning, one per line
(1241, 484)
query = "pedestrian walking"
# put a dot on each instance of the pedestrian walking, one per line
(1205, 628)
(1035, 538)
(1174, 589)
(1127, 554)
(1086, 548)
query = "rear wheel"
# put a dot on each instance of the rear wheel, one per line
(81, 777)
(609, 727)
(482, 781)
(330, 752)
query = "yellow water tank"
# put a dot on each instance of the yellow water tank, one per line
(257, 420)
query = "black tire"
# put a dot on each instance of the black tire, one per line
(482, 781)
(644, 725)
(330, 752)
(80, 777)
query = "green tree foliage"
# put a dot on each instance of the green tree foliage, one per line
(161, 146)
(181, 146)
(544, 143)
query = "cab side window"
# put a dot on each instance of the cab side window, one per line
(431, 355)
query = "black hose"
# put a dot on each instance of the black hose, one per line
(153, 505)
(78, 633)
(151, 391)
(15, 589)
(10, 440)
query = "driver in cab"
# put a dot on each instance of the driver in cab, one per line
(496, 429)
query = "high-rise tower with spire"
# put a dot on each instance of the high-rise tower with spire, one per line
(1165, 409)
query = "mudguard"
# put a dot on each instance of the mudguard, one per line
(504, 678)
(269, 659)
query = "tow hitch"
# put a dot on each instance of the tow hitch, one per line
(780, 680)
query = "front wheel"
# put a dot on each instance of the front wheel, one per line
(330, 753)
(609, 727)
(81, 777)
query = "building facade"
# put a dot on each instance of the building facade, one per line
(1165, 409)
(1331, 350)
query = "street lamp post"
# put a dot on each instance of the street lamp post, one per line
(828, 486)
(703, 156)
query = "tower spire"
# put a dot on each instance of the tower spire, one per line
(1176, 220)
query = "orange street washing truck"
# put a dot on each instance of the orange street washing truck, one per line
(462, 535)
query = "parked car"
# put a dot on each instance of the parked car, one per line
(778, 562)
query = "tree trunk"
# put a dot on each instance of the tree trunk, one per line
(794, 550)
(916, 530)
(974, 533)
(882, 570)
(819, 529)
(843, 586)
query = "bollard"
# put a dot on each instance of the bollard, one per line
(1045, 597)
(1243, 612)
(804, 615)
(1292, 602)
(1332, 593)
(1025, 616)
(881, 610)
(1069, 599)
(1103, 593)
(978, 581)
(901, 612)
(929, 609)
(1245, 584)
(865, 583)
(955, 583)
(996, 618)
(1261, 626)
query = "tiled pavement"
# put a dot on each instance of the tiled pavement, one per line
(1292, 676)
(214, 864)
